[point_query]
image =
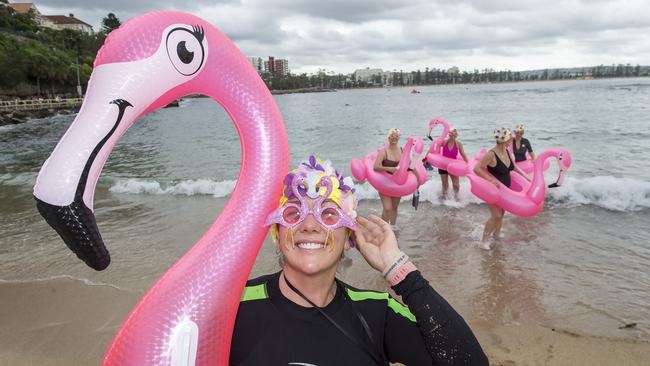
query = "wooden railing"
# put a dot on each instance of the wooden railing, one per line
(36, 104)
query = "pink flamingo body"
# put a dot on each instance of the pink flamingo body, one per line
(404, 181)
(523, 198)
(187, 316)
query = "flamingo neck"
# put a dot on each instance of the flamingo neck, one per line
(537, 188)
(405, 159)
(437, 143)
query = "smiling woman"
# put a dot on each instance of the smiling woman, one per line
(303, 315)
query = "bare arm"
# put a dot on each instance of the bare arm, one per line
(462, 152)
(380, 168)
(488, 158)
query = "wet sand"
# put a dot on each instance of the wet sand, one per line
(69, 322)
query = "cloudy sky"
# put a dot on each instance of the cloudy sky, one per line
(344, 35)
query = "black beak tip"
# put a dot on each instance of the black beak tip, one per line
(99, 264)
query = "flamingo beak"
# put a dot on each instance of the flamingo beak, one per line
(118, 94)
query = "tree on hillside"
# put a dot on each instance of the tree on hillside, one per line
(110, 23)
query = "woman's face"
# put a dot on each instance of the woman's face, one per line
(502, 143)
(519, 134)
(304, 249)
(453, 134)
(393, 139)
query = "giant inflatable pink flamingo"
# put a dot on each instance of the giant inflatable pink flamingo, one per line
(434, 154)
(187, 317)
(404, 181)
(523, 198)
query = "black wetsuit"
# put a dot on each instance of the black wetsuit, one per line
(520, 153)
(501, 171)
(272, 330)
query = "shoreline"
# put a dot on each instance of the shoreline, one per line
(301, 90)
(18, 117)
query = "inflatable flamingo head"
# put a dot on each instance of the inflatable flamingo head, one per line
(418, 143)
(147, 63)
(435, 122)
(564, 159)
(188, 54)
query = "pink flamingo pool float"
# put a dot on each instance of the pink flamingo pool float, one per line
(523, 198)
(434, 154)
(435, 158)
(404, 182)
(187, 316)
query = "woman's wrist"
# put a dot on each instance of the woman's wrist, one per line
(397, 259)
(400, 273)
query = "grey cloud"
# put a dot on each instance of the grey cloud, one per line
(130, 6)
(313, 34)
(341, 10)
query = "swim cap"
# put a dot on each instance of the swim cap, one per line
(519, 128)
(311, 171)
(394, 132)
(502, 134)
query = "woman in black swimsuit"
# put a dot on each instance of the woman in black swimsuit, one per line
(521, 145)
(499, 164)
(387, 161)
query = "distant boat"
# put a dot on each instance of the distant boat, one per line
(415, 91)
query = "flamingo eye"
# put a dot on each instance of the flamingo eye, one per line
(185, 49)
(561, 156)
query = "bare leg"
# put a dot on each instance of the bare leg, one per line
(497, 227)
(387, 204)
(445, 184)
(395, 203)
(455, 182)
(490, 225)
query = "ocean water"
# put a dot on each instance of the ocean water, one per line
(582, 263)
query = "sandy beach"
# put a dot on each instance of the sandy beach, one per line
(67, 322)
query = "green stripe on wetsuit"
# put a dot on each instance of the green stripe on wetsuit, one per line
(257, 292)
(392, 303)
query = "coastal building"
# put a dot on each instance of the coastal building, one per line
(52, 21)
(276, 67)
(258, 64)
(367, 75)
(24, 8)
(68, 22)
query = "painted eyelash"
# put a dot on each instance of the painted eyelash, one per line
(198, 32)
